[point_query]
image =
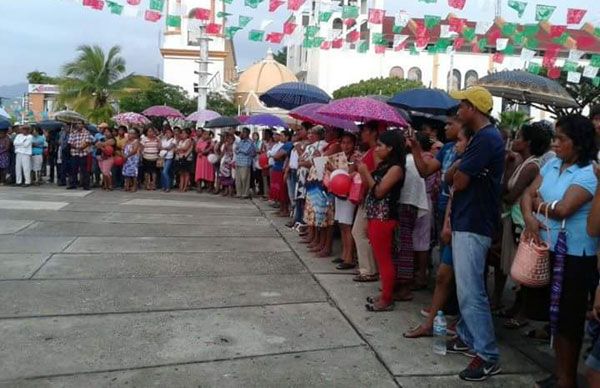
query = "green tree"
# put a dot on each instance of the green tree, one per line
(40, 77)
(158, 93)
(221, 105)
(513, 120)
(376, 86)
(93, 82)
(281, 56)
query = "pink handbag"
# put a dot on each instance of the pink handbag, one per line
(531, 266)
(356, 194)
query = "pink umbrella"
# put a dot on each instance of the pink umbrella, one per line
(243, 118)
(131, 118)
(363, 109)
(163, 111)
(309, 113)
(203, 116)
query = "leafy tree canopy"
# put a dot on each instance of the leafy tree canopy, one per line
(40, 77)
(377, 86)
(281, 56)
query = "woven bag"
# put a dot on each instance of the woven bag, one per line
(531, 266)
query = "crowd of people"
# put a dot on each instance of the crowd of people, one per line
(459, 183)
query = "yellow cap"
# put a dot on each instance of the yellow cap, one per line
(476, 95)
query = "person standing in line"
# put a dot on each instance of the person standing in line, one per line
(244, 156)
(63, 156)
(475, 215)
(205, 172)
(106, 159)
(22, 144)
(5, 146)
(167, 152)
(131, 153)
(38, 146)
(80, 140)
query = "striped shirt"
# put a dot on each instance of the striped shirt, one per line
(80, 141)
(151, 148)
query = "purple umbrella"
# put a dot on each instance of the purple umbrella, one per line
(203, 116)
(560, 253)
(267, 120)
(363, 109)
(309, 113)
(131, 118)
(163, 111)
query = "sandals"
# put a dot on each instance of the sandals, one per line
(515, 324)
(418, 332)
(377, 308)
(362, 278)
(538, 334)
(337, 261)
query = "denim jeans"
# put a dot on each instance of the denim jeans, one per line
(475, 328)
(79, 165)
(165, 175)
(291, 187)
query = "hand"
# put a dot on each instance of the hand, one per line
(412, 143)
(532, 230)
(362, 169)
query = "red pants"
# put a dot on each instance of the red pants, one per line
(381, 235)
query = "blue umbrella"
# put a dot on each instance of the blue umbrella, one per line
(267, 120)
(50, 125)
(4, 124)
(431, 101)
(558, 269)
(291, 95)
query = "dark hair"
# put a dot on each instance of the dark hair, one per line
(246, 130)
(581, 131)
(371, 126)
(339, 132)
(268, 133)
(350, 136)
(594, 111)
(395, 140)
(187, 130)
(306, 125)
(424, 141)
(287, 134)
(539, 139)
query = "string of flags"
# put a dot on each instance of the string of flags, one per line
(430, 33)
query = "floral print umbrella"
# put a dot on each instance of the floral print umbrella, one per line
(363, 109)
(131, 118)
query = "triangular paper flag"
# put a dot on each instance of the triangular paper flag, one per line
(152, 16)
(501, 44)
(379, 49)
(575, 55)
(527, 55)
(244, 20)
(481, 28)
(444, 31)
(202, 14)
(595, 60)
(376, 16)
(518, 6)
(115, 8)
(133, 2)
(531, 29)
(458, 43)
(256, 35)
(402, 19)
(337, 43)
(353, 36)
(294, 5)
(431, 21)
(363, 47)
(275, 37)
(456, 24)
(553, 73)
(509, 29)
(498, 57)
(289, 28)
(274, 4)
(231, 31)
(595, 82)
(570, 66)
(590, 71)
(157, 5)
(458, 4)
(573, 77)
(534, 68)
(350, 12)
(213, 28)
(543, 12)
(174, 21)
(325, 16)
(557, 30)
(252, 3)
(575, 16)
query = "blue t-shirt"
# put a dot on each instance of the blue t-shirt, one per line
(477, 208)
(38, 144)
(446, 156)
(553, 188)
(278, 164)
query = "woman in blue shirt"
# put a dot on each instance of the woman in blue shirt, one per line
(564, 190)
(37, 154)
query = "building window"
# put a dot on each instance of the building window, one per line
(454, 81)
(471, 78)
(397, 72)
(414, 74)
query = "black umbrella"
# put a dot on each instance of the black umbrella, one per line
(428, 101)
(50, 125)
(291, 95)
(223, 122)
(524, 87)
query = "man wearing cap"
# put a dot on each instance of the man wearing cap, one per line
(475, 215)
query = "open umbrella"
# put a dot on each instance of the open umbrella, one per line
(291, 95)
(4, 124)
(50, 125)
(131, 118)
(363, 109)
(163, 111)
(242, 118)
(222, 122)
(266, 120)
(430, 101)
(202, 116)
(69, 116)
(309, 113)
(524, 87)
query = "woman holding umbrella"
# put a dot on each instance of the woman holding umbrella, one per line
(564, 190)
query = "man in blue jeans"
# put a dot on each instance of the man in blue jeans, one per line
(474, 218)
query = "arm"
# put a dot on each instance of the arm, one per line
(425, 167)
(389, 180)
(527, 176)
(475, 159)
(575, 197)
(593, 221)
(532, 225)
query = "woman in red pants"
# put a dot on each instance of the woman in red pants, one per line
(385, 184)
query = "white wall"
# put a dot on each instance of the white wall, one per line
(180, 71)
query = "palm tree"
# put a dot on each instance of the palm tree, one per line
(514, 120)
(93, 81)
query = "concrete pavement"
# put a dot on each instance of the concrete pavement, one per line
(115, 289)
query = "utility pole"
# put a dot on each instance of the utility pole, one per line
(203, 68)
(498, 9)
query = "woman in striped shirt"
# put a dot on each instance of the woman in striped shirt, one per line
(150, 150)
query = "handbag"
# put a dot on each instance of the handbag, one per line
(356, 194)
(160, 162)
(531, 266)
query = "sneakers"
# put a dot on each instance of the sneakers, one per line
(479, 370)
(456, 346)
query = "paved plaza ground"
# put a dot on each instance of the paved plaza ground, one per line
(111, 289)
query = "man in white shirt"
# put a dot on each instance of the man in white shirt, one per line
(22, 144)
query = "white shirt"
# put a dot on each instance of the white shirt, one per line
(167, 143)
(294, 158)
(22, 144)
(414, 191)
(273, 151)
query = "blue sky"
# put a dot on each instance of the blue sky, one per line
(43, 34)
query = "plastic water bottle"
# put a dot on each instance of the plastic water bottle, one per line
(439, 334)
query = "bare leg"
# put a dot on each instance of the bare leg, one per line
(327, 243)
(422, 261)
(567, 357)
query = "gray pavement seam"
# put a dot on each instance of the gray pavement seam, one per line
(292, 352)
(330, 299)
(50, 257)
(167, 310)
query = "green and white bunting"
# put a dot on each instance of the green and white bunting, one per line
(157, 5)
(174, 21)
(518, 6)
(543, 12)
